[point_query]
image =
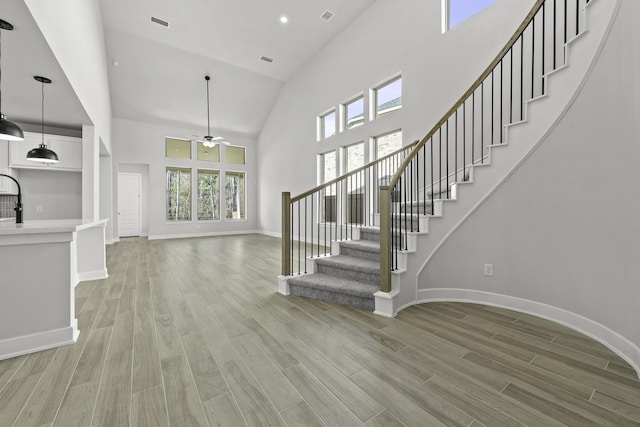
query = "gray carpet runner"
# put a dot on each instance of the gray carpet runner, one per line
(350, 278)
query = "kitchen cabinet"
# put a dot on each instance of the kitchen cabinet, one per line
(68, 149)
(6, 185)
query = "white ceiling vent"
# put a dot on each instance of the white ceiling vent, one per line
(266, 59)
(327, 15)
(159, 21)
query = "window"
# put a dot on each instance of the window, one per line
(208, 154)
(177, 148)
(387, 144)
(327, 125)
(355, 156)
(456, 11)
(178, 194)
(328, 165)
(235, 195)
(234, 155)
(354, 113)
(328, 173)
(388, 97)
(208, 195)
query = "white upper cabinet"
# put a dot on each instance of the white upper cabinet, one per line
(68, 149)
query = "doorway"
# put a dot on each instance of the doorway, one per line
(129, 204)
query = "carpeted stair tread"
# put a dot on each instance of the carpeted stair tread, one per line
(338, 285)
(350, 263)
(363, 245)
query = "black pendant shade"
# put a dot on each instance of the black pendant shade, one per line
(8, 131)
(42, 153)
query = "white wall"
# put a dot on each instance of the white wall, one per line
(143, 144)
(563, 230)
(59, 193)
(390, 37)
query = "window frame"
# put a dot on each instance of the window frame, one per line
(244, 202)
(373, 96)
(244, 155)
(344, 113)
(167, 198)
(321, 124)
(219, 172)
(166, 151)
(446, 15)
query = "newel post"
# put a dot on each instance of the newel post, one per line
(286, 233)
(385, 239)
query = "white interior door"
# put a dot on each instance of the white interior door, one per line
(129, 204)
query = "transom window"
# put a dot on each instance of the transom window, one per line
(177, 148)
(208, 154)
(327, 125)
(354, 113)
(456, 11)
(388, 97)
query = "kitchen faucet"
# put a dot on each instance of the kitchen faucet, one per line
(18, 207)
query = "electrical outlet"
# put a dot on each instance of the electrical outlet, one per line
(39, 208)
(488, 270)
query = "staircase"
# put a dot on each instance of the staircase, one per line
(411, 210)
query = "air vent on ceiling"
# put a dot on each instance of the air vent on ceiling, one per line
(159, 21)
(327, 15)
(266, 59)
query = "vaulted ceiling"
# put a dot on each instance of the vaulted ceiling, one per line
(156, 73)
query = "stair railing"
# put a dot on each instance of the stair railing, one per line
(476, 121)
(331, 211)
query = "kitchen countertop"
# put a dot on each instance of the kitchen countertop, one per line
(47, 226)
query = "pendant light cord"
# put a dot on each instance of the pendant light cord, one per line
(42, 122)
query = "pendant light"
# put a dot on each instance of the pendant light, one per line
(8, 131)
(42, 153)
(210, 140)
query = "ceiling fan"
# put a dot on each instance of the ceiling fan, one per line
(210, 141)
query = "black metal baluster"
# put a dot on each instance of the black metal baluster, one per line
(565, 26)
(511, 87)
(544, 19)
(447, 144)
(555, 35)
(521, 76)
(473, 127)
(455, 160)
(577, 17)
(533, 53)
(292, 241)
(501, 101)
(298, 203)
(440, 163)
(424, 180)
(493, 118)
(431, 145)
(312, 215)
(305, 235)
(482, 122)
(464, 141)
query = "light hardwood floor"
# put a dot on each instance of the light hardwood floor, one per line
(191, 333)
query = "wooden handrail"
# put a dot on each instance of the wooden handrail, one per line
(353, 172)
(385, 190)
(486, 73)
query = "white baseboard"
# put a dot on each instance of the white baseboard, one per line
(607, 337)
(26, 344)
(270, 233)
(208, 234)
(92, 275)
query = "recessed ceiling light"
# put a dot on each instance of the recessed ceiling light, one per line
(266, 59)
(284, 19)
(115, 63)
